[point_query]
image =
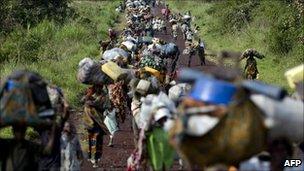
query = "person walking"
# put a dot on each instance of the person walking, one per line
(71, 153)
(110, 122)
(201, 51)
(251, 69)
(93, 120)
(192, 51)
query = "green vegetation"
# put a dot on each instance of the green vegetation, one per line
(30, 12)
(54, 47)
(275, 28)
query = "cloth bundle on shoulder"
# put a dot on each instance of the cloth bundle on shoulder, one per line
(238, 135)
(89, 72)
(24, 100)
(169, 49)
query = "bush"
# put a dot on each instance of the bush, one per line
(30, 12)
(286, 33)
(237, 15)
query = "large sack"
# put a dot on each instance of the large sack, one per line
(288, 112)
(129, 45)
(178, 91)
(89, 72)
(238, 135)
(24, 100)
(114, 53)
(146, 40)
(169, 49)
(131, 39)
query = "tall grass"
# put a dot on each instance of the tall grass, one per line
(54, 50)
(259, 29)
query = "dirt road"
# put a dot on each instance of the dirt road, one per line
(115, 158)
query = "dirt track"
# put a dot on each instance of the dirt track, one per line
(115, 158)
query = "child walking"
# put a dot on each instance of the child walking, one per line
(110, 122)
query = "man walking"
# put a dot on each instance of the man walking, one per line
(201, 52)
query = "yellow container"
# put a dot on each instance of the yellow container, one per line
(113, 71)
(153, 71)
(295, 75)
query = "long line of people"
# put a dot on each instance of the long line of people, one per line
(215, 119)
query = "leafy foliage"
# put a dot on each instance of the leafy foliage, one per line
(30, 12)
(287, 32)
(237, 15)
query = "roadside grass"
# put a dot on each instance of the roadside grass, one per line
(54, 50)
(252, 35)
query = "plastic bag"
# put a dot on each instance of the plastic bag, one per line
(114, 53)
(288, 112)
(89, 72)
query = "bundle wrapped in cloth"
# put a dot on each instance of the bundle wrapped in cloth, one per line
(24, 99)
(154, 62)
(118, 99)
(236, 135)
(89, 72)
(114, 53)
(218, 124)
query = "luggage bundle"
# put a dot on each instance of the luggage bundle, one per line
(240, 131)
(129, 45)
(114, 53)
(24, 99)
(218, 118)
(178, 91)
(145, 40)
(89, 72)
(154, 62)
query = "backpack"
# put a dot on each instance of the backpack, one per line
(24, 100)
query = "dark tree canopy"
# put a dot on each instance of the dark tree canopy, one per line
(30, 12)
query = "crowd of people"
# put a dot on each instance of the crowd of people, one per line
(218, 119)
